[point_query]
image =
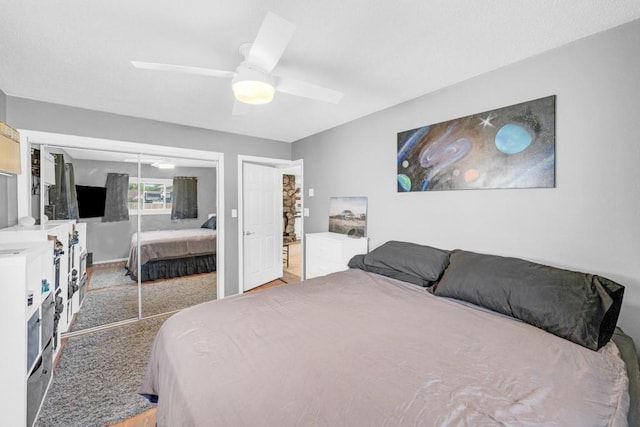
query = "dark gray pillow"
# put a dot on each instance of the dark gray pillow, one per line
(421, 261)
(358, 262)
(210, 223)
(580, 307)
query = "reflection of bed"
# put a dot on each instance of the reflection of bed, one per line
(172, 253)
(360, 348)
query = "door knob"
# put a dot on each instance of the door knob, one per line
(248, 233)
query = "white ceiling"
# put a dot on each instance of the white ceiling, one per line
(117, 156)
(378, 52)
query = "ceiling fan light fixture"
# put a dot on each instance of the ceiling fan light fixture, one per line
(253, 92)
(252, 86)
(163, 164)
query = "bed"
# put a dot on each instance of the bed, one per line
(383, 344)
(172, 253)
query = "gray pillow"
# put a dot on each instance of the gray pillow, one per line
(358, 262)
(210, 223)
(579, 307)
(421, 261)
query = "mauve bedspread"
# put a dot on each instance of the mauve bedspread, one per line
(171, 244)
(356, 348)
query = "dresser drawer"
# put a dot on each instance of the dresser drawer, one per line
(330, 252)
(48, 313)
(38, 382)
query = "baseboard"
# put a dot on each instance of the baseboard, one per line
(109, 261)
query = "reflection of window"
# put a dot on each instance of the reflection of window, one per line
(156, 195)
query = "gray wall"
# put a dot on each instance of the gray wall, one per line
(589, 222)
(3, 106)
(8, 184)
(34, 115)
(4, 180)
(111, 240)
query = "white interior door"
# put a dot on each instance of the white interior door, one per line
(262, 224)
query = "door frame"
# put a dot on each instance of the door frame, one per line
(28, 137)
(265, 161)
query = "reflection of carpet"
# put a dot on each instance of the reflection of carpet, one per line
(110, 304)
(105, 277)
(96, 382)
(162, 296)
(107, 306)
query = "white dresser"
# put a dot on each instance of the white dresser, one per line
(330, 252)
(27, 318)
(59, 233)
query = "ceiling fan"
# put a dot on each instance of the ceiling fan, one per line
(253, 82)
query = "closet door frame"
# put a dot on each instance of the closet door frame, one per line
(53, 140)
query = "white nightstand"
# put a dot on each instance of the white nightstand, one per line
(330, 252)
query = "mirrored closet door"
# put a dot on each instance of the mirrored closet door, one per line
(178, 233)
(114, 197)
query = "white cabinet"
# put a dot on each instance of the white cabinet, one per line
(76, 262)
(27, 324)
(330, 252)
(61, 260)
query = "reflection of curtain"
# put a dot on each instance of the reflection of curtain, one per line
(63, 194)
(116, 208)
(185, 197)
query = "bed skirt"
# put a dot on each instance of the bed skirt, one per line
(168, 268)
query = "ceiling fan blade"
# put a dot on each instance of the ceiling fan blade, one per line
(240, 108)
(183, 69)
(272, 39)
(308, 90)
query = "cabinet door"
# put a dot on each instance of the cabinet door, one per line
(38, 381)
(48, 311)
(33, 339)
(9, 155)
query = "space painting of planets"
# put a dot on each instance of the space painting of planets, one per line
(510, 147)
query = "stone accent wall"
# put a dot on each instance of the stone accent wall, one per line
(289, 195)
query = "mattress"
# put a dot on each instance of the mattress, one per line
(171, 244)
(357, 348)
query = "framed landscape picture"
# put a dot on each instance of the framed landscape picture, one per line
(348, 215)
(509, 147)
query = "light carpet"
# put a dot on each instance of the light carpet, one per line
(106, 277)
(110, 304)
(97, 378)
(96, 382)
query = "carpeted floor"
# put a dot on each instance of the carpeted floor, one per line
(106, 277)
(97, 379)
